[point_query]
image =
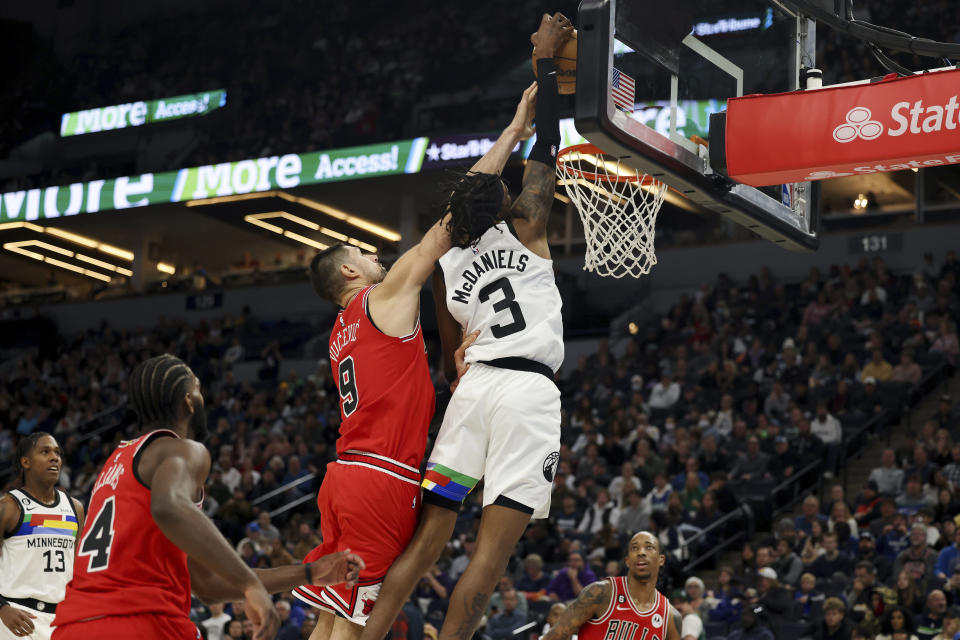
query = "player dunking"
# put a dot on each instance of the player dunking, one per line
(370, 497)
(38, 530)
(146, 542)
(624, 608)
(503, 421)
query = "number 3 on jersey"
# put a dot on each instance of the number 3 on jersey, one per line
(349, 396)
(508, 302)
(99, 539)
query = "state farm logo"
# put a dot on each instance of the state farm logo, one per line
(858, 125)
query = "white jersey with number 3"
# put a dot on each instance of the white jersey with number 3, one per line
(510, 294)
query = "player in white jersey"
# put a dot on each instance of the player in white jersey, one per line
(503, 421)
(39, 526)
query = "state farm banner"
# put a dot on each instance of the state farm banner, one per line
(895, 124)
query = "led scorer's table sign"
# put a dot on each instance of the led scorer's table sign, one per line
(137, 114)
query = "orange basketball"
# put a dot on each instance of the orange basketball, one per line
(565, 62)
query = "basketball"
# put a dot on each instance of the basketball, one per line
(566, 64)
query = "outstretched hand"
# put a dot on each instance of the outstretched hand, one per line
(552, 34)
(459, 355)
(335, 568)
(526, 110)
(18, 621)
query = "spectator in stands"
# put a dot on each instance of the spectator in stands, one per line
(753, 466)
(870, 402)
(908, 593)
(832, 560)
(952, 470)
(921, 465)
(840, 512)
(907, 370)
(810, 513)
(504, 585)
(784, 462)
(897, 619)
(888, 477)
(665, 393)
(624, 483)
(931, 622)
(533, 583)
(460, 562)
(569, 581)
(835, 624)
(660, 494)
(867, 504)
(774, 598)
(861, 590)
(601, 513)
(691, 626)
(787, 564)
(807, 596)
(826, 427)
(913, 497)
(918, 559)
(945, 416)
(750, 627)
(289, 629)
(948, 560)
(556, 610)
(635, 516)
(809, 448)
(867, 552)
(724, 600)
(214, 625)
(710, 458)
(946, 341)
(951, 624)
(877, 368)
(568, 517)
(502, 625)
(695, 589)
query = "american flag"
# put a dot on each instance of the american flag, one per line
(622, 89)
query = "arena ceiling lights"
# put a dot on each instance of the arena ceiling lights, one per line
(284, 219)
(79, 262)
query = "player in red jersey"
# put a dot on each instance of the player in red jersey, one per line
(626, 607)
(146, 542)
(370, 497)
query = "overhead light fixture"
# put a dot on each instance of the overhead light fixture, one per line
(860, 202)
(163, 267)
(20, 247)
(260, 220)
(333, 212)
(75, 238)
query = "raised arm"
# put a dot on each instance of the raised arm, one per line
(331, 569)
(175, 470)
(395, 304)
(532, 209)
(591, 603)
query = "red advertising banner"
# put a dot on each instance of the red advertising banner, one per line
(891, 125)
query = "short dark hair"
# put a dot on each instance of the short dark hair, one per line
(867, 566)
(24, 447)
(325, 273)
(155, 386)
(474, 203)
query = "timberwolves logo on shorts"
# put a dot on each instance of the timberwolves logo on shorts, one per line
(550, 465)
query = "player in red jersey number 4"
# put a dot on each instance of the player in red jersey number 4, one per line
(625, 607)
(146, 542)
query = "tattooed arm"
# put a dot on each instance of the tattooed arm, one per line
(591, 603)
(531, 210)
(673, 629)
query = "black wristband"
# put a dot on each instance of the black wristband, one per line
(309, 575)
(3, 602)
(547, 119)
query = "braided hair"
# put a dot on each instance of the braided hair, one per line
(474, 204)
(24, 447)
(155, 386)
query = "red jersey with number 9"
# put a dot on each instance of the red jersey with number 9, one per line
(125, 565)
(386, 394)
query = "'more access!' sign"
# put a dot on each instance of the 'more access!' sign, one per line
(137, 114)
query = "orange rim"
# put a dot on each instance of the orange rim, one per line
(640, 178)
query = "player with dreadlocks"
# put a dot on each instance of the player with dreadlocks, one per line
(38, 528)
(147, 543)
(503, 420)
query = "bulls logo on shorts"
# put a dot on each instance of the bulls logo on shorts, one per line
(550, 465)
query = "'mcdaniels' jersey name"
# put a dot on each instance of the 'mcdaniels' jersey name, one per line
(508, 293)
(493, 259)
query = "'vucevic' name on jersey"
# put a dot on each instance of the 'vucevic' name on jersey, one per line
(509, 292)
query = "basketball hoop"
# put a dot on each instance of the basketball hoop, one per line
(618, 207)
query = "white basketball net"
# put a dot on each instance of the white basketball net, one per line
(618, 207)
